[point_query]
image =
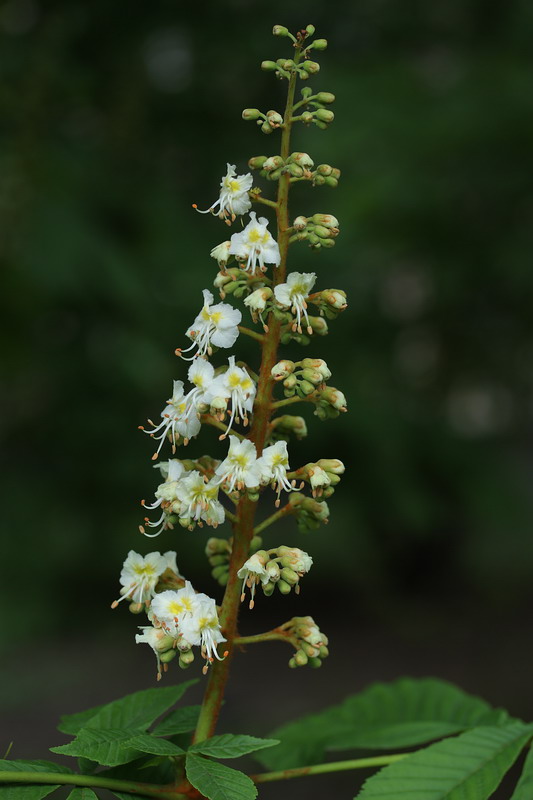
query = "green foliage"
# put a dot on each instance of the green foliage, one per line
(146, 743)
(218, 782)
(82, 793)
(384, 716)
(28, 791)
(137, 710)
(182, 720)
(524, 787)
(468, 767)
(107, 747)
(228, 745)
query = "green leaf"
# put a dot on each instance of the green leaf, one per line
(182, 720)
(228, 745)
(29, 791)
(82, 793)
(524, 787)
(218, 782)
(146, 743)
(136, 710)
(466, 767)
(401, 714)
(107, 747)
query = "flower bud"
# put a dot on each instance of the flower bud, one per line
(335, 298)
(317, 364)
(269, 66)
(275, 175)
(282, 369)
(315, 663)
(304, 75)
(221, 254)
(303, 160)
(220, 571)
(273, 571)
(331, 181)
(312, 67)
(325, 97)
(325, 233)
(217, 560)
(327, 220)
(307, 117)
(295, 170)
(333, 465)
(280, 30)
(251, 113)
(322, 126)
(319, 44)
(287, 425)
(300, 658)
(284, 587)
(324, 169)
(166, 657)
(319, 325)
(288, 64)
(275, 119)
(335, 173)
(273, 163)
(325, 115)
(312, 375)
(186, 659)
(216, 546)
(290, 382)
(335, 398)
(266, 128)
(268, 588)
(300, 223)
(319, 180)
(256, 162)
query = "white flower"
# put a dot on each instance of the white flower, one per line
(139, 577)
(165, 498)
(221, 253)
(274, 464)
(239, 468)
(256, 302)
(199, 500)
(168, 609)
(254, 244)
(235, 385)
(294, 294)
(298, 560)
(215, 324)
(158, 640)
(318, 478)
(179, 420)
(203, 629)
(233, 198)
(252, 571)
(170, 557)
(200, 374)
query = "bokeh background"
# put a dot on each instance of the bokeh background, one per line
(115, 118)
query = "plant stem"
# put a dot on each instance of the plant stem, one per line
(207, 419)
(270, 636)
(333, 766)
(133, 787)
(273, 518)
(252, 334)
(289, 401)
(244, 528)
(256, 198)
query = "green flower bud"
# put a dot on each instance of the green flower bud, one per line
(300, 658)
(186, 659)
(325, 97)
(319, 44)
(215, 561)
(325, 115)
(320, 125)
(275, 175)
(333, 465)
(256, 162)
(319, 365)
(289, 576)
(214, 546)
(319, 325)
(303, 160)
(219, 571)
(282, 369)
(165, 658)
(311, 651)
(290, 381)
(315, 663)
(273, 571)
(327, 220)
(319, 180)
(251, 113)
(335, 298)
(300, 223)
(331, 181)
(324, 169)
(295, 170)
(288, 64)
(306, 92)
(255, 543)
(292, 663)
(324, 652)
(304, 75)
(335, 173)
(284, 587)
(275, 119)
(307, 117)
(312, 67)
(310, 29)
(334, 397)
(327, 242)
(273, 163)
(313, 239)
(280, 30)
(313, 376)
(324, 233)
(268, 588)
(305, 388)
(266, 128)
(269, 66)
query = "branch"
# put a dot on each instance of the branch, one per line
(269, 636)
(209, 420)
(258, 199)
(288, 509)
(252, 334)
(333, 766)
(133, 787)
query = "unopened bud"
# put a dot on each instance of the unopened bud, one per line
(315, 663)
(317, 364)
(331, 181)
(319, 325)
(295, 170)
(304, 75)
(290, 576)
(300, 223)
(280, 30)
(312, 375)
(186, 659)
(251, 113)
(333, 465)
(290, 382)
(327, 220)
(324, 169)
(306, 387)
(310, 29)
(221, 253)
(275, 119)
(219, 571)
(303, 160)
(273, 571)
(266, 128)
(284, 587)
(325, 97)
(335, 398)
(322, 126)
(312, 67)
(319, 44)
(273, 163)
(268, 588)
(325, 233)
(325, 115)
(216, 546)
(300, 658)
(307, 117)
(269, 66)
(282, 369)
(256, 162)
(335, 173)
(319, 180)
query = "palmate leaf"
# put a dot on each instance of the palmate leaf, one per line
(229, 745)
(466, 767)
(218, 782)
(107, 747)
(401, 714)
(182, 720)
(137, 710)
(29, 791)
(145, 743)
(524, 787)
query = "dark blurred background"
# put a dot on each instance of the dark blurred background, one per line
(115, 118)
